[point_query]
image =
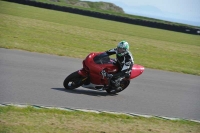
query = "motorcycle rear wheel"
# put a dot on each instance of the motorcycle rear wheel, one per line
(73, 81)
(123, 84)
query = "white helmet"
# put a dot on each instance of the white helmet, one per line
(122, 47)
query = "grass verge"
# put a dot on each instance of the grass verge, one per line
(65, 34)
(31, 120)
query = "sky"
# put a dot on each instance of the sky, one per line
(181, 11)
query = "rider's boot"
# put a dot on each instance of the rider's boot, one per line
(116, 85)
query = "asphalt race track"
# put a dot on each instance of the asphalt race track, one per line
(32, 78)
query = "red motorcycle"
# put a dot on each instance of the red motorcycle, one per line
(92, 75)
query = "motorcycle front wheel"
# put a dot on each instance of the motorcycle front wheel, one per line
(73, 81)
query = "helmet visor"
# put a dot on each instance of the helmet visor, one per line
(120, 50)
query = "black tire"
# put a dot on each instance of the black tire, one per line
(73, 81)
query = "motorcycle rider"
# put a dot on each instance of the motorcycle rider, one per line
(124, 61)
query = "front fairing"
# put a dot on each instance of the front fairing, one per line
(95, 63)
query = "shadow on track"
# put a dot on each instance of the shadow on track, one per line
(85, 92)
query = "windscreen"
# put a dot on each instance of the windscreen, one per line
(102, 58)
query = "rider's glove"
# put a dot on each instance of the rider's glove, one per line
(105, 74)
(109, 76)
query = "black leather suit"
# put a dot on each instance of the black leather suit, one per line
(124, 62)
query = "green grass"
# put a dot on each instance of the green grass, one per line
(65, 34)
(32, 120)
